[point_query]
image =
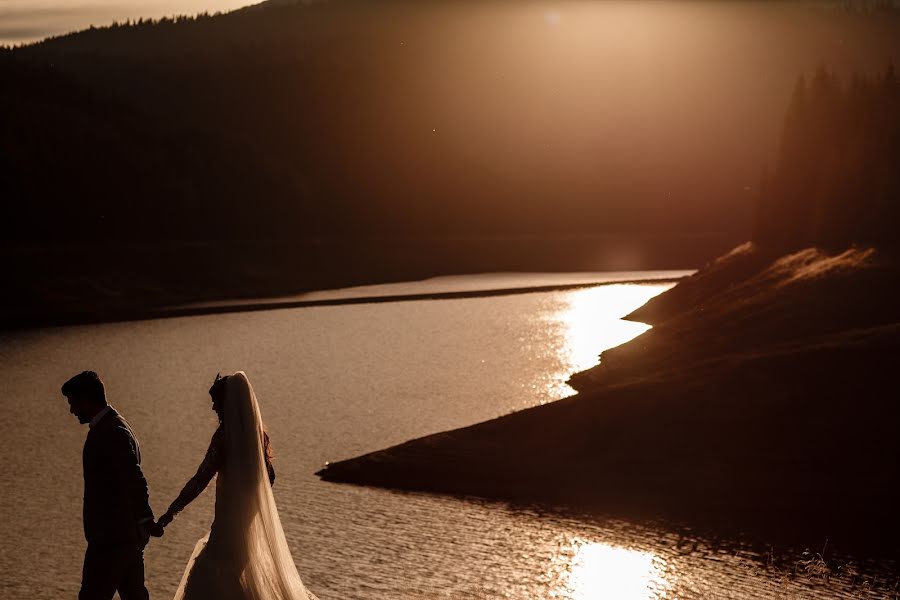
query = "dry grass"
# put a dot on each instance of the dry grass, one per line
(812, 577)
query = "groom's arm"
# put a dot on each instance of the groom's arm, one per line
(128, 467)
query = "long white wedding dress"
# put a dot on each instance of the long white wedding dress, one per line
(245, 555)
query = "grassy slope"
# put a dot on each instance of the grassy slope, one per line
(763, 399)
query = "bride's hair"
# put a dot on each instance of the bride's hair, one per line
(267, 445)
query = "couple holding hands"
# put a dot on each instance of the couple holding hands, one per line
(244, 556)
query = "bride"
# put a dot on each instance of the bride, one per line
(245, 555)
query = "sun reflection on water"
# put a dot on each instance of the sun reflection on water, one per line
(605, 572)
(591, 322)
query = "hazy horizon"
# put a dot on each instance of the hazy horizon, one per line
(25, 21)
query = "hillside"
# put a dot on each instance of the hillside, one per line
(396, 118)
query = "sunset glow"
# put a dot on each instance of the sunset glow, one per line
(601, 572)
(588, 331)
(541, 300)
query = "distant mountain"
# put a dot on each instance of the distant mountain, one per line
(400, 118)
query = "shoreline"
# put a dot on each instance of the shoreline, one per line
(753, 404)
(29, 323)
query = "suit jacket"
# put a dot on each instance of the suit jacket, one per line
(116, 499)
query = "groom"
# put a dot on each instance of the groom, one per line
(118, 519)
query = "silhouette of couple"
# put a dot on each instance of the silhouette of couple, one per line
(244, 556)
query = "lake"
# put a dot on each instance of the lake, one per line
(338, 381)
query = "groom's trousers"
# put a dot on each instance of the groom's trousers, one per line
(113, 568)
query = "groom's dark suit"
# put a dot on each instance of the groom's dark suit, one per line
(116, 503)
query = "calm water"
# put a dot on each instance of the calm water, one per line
(335, 382)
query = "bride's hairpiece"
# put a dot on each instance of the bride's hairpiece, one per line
(219, 382)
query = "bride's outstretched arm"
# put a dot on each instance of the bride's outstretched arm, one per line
(193, 488)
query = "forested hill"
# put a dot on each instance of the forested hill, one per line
(421, 119)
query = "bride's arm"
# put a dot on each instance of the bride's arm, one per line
(193, 488)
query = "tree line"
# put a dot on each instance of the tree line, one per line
(837, 178)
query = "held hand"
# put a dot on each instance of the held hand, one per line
(164, 520)
(154, 529)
